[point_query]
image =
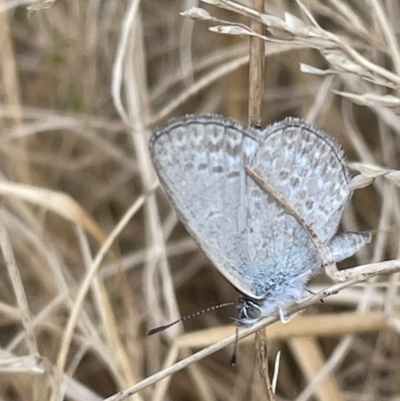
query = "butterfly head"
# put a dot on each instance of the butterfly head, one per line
(249, 311)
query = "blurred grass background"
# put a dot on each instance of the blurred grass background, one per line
(82, 85)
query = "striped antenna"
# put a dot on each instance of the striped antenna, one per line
(183, 318)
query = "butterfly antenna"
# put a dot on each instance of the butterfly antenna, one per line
(183, 318)
(233, 359)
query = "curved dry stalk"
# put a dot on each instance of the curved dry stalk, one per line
(379, 268)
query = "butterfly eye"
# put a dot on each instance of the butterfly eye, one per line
(253, 311)
(249, 311)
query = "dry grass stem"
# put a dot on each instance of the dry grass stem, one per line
(92, 254)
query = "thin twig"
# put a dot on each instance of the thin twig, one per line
(256, 85)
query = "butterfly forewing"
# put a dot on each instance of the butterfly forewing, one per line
(200, 162)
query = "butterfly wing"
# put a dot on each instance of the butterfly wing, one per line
(200, 162)
(307, 167)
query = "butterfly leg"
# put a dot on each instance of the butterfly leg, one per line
(312, 293)
(284, 318)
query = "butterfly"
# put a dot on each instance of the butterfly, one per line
(249, 236)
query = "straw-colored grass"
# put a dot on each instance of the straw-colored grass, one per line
(92, 254)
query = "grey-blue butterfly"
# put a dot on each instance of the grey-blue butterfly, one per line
(246, 233)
